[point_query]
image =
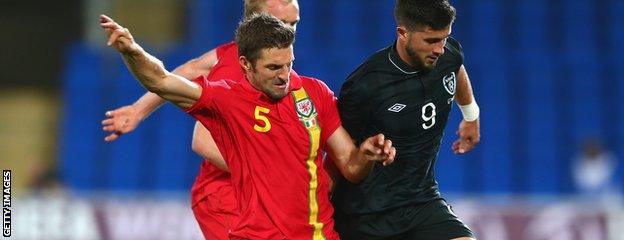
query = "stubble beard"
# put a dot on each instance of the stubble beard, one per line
(268, 89)
(416, 61)
(275, 95)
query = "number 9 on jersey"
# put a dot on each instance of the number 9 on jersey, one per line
(428, 115)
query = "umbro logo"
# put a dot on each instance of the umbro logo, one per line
(397, 107)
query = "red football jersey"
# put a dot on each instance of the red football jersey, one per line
(210, 178)
(212, 195)
(282, 194)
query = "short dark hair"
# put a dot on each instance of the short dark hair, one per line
(262, 31)
(419, 14)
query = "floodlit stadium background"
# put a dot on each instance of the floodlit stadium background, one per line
(547, 75)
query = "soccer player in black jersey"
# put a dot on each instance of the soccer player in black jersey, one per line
(406, 92)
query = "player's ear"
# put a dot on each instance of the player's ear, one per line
(244, 63)
(402, 33)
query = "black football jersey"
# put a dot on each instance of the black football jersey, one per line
(411, 108)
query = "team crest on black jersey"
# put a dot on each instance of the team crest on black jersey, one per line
(449, 83)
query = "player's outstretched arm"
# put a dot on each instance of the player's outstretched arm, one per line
(355, 163)
(127, 118)
(192, 69)
(468, 132)
(205, 146)
(149, 70)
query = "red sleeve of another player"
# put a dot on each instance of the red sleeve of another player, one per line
(328, 112)
(221, 49)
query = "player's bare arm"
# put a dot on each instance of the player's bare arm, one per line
(468, 132)
(149, 102)
(355, 163)
(127, 118)
(149, 70)
(205, 146)
(332, 171)
(198, 66)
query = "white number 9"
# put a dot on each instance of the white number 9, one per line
(430, 118)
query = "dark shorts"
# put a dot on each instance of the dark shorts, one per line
(431, 221)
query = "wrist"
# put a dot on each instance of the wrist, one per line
(147, 104)
(358, 159)
(471, 111)
(140, 110)
(133, 50)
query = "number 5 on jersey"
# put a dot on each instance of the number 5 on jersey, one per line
(259, 114)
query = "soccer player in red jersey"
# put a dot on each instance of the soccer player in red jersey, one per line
(270, 127)
(212, 197)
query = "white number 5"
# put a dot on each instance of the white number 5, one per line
(431, 116)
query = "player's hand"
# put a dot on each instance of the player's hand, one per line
(118, 36)
(378, 148)
(469, 137)
(120, 121)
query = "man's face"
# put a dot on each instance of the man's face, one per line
(424, 47)
(287, 12)
(271, 73)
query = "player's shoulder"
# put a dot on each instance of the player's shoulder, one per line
(225, 83)
(375, 65)
(453, 44)
(365, 77)
(310, 80)
(317, 89)
(222, 83)
(312, 83)
(454, 49)
(227, 46)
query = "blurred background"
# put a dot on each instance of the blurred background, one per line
(547, 76)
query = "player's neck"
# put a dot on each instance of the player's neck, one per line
(252, 85)
(402, 51)
(399, 57)
(259, 90)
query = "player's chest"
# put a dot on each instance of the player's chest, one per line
(415, 104)
(263, 120)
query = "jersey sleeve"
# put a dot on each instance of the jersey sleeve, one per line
(206, 104)
(456, 49)
(327, 110)
(354, 107)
